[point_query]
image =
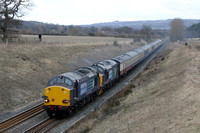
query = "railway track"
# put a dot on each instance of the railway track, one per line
(17, 119)
(41, 125)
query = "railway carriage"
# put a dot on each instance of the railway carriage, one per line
(146, 49)
(129, 60)
(124, 62)
(157, 44)
(141, 53)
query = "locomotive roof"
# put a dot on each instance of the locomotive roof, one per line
(82, 73)
(107, 64)
(122, 58)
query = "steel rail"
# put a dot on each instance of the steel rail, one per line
(19, 118)
(40, 125)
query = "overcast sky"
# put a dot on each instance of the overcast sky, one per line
(77, 12)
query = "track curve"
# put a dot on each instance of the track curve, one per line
(17, 119)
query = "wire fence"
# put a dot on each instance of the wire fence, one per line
(67, 40)
(22, 41)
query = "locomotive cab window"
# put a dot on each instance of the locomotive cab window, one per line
(68, 82)
(95, 67)
(60, 80)
(53, 81)
(100, 70)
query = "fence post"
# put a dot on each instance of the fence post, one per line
(6, 41)
(17, 40)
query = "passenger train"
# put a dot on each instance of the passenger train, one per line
(69, 91)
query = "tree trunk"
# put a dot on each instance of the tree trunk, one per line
(5, 31)
(5, 27)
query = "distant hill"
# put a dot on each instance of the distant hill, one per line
(194, 31)
(34, 27)
(155, 24)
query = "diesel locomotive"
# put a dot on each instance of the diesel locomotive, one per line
(69, 91)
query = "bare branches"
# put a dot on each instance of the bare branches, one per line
(14, 7)
(146, 30)
(10, 10)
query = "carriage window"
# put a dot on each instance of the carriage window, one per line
(68, 82)
(60, 79)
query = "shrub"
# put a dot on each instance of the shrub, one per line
(115, 43)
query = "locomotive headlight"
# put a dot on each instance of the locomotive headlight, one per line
(65, 101)
(46, 100)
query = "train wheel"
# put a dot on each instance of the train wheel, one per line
(59, 114)
(88, 99)
(70, 112)
(64, 114)
(50, 114)
(92, 97)
(112, 84)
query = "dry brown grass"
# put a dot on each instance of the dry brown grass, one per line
(165, 98)
(77, 40)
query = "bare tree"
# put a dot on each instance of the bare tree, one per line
(1, 19)
(177, 30)
(10, 10)
(146, 31)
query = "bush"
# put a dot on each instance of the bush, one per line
(91, 34)
(115, 43)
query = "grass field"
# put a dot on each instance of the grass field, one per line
(70, 40)
(80, 39)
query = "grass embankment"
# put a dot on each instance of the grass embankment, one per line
(163, 98)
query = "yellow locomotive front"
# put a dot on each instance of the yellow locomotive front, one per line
(57, 96)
